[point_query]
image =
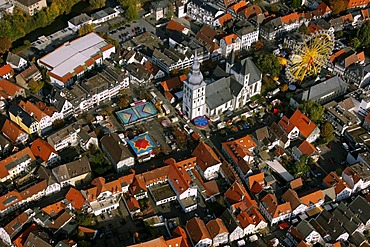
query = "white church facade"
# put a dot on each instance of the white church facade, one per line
(225, 90)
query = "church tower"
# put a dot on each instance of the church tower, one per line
(194, 92)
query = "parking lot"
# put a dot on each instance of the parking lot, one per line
(131, 30)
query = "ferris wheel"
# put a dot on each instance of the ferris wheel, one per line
(310, 56)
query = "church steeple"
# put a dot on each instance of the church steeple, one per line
(195, 76)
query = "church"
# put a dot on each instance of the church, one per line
(223, 91)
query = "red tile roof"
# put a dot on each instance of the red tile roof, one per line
(11, 130)
(101, 186)
(76, 199)
(256, 178)
(323, 8)
(180, 232)
(216, 227)
(357, 3)
(205, 155)
(252, 10)
(41, 148)
(175, 26)
(225, 18)
(273, 208)
(13, 225)
(299, 120)
(333, 180)
(307, 148)
(14, 157)
(238, 6)
(235, 193)
(6, 69)
(175, 82)
(55, 208)
(9, 199)
(33, 110)
(8, 89)
(21, 239)
(231, 38)
(33, 190)
(151, 67)
(197, 230)
(290, 18)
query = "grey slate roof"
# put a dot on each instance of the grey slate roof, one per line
(209, 7)
(72, 169)
(328, 224)
(18, 111)
(82, 18)
(159, 4)
(13, 58)
(319, 90)
(221, 91)
(229, 220)
(359, 206)
(304, 228)
(347, 218)
(103, 13)
(247, 66)
(46, 174)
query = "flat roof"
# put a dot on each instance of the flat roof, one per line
(162, 191)
(140, 111)
(70, 55)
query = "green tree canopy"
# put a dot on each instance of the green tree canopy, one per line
(5, 44)
(302, 167)
(268, 64)
(18, 24)
(363, 34)
(312, 110)
(130, 7)
(97, 4)
(296, 3)
(303, 29)
(327, 131)
(85, 29)
(354, 43)
(35, 86)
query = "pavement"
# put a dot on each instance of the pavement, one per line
(131, 30)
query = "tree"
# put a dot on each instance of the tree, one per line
(337, 6)
(35, 86)
(296, 3)
(85, 29)
(268, 64)
(258, 45)
(268, 84)
(97, 4)
(313, 111)
(363, 34)
(99, 162)
(301, 167)
(338, 34)
(170, 11)
(131, 12)
(326, 132)
(274, 9)
(284, 88)
(58, 123)
(354, 43)
(5, 44)
(303, 29)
